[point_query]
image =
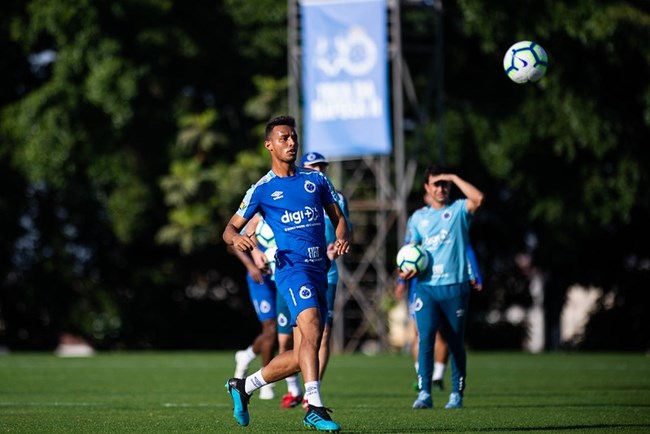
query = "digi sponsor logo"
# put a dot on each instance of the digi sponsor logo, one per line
(304, 292)
(436, 240)
(309, 214)
(310, 187)
(277, 195)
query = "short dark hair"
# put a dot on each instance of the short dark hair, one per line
(280, 120)
(434, 170)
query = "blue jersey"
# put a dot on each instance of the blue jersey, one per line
(293, 207)
(444, 233)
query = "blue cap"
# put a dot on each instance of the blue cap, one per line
(313, 158)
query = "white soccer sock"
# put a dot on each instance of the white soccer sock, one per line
(416, 365)
(250, 353)
(312, 393)
(438, 371)
(254, 382)
(293, 385)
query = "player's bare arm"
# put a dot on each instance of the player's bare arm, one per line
(474, 195)
(342, 243)
(232, 236)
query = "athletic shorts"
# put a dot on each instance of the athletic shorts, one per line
(303, 287)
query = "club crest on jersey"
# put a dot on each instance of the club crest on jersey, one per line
(417, 304)
(265, 307)
(304, 292)
(446, 215)
(277, 195)
(310, 187)
(282, 320)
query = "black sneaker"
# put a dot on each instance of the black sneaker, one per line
(318, 417)
(437, 385)
(237, 390)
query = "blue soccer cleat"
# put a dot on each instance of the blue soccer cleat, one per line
(236, 389)
(455, 400)
(424, 400)
(318, 417)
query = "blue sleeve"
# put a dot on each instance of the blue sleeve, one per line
(473, 263)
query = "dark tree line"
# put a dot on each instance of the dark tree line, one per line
(129, 130)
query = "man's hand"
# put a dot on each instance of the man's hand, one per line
(244, 243)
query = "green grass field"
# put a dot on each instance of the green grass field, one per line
(184, 392)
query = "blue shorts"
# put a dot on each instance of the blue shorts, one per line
(303, 287)
(283, 315)
(263, 297)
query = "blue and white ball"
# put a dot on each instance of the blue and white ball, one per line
(270, 258)
(412, 257)
(525, 61)
(264, 234)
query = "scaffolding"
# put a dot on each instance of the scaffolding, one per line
(377, 187)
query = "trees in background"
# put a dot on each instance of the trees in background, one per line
(129, 130)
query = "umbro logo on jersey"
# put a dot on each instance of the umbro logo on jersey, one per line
(277, 195)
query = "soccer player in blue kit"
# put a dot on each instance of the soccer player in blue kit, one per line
(292, 201)
(442, 292)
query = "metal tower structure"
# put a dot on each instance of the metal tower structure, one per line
(377, 187)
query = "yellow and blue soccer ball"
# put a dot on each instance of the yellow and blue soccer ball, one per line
(525, 61)
(412, 257)
(264, 234)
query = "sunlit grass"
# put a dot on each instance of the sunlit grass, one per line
(184, 392)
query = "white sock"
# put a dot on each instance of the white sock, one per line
(254, 382)
(312, 393)
(293, 385)
(416, 365)
(438, 371)
(250, 353)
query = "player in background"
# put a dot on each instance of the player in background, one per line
(441, 352)
(294, 395)
(442, 291)
(262, 292)
(292, 200)
(316, 161)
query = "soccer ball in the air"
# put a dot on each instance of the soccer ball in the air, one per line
(412, 257)
(525, 61)
(264, 234)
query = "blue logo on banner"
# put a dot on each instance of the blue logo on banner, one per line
(345, 78)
